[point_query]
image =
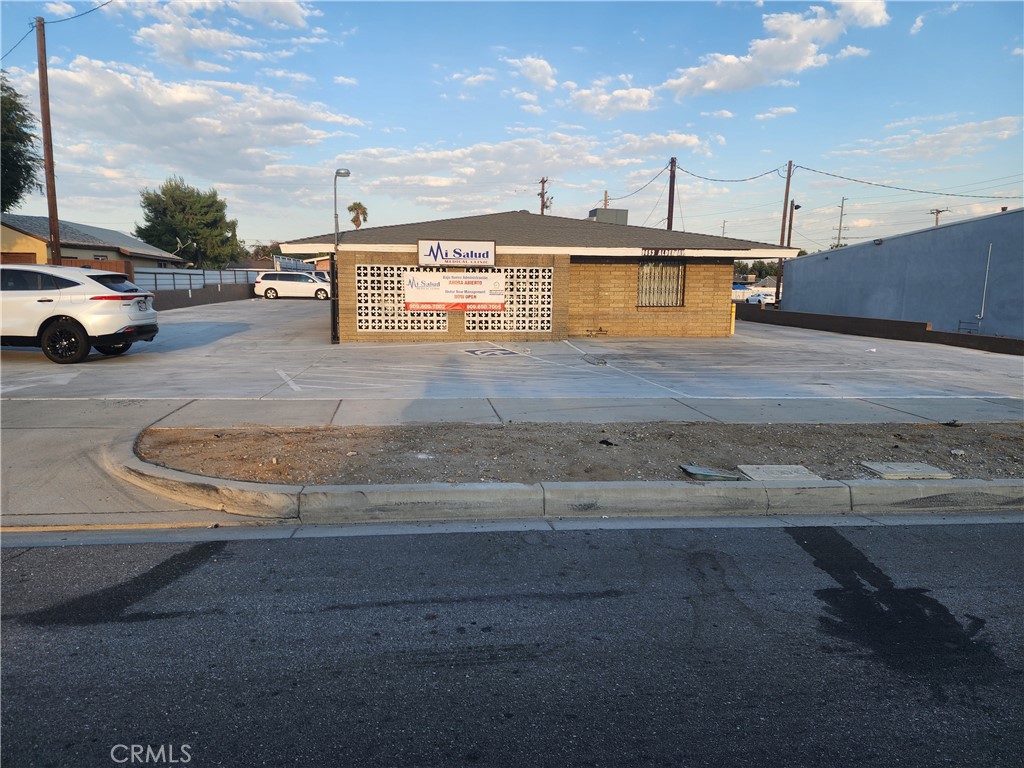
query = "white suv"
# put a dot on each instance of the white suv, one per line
(67, 310)
(270, 285)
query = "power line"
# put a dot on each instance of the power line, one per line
(80, 15)
(731, 181)
(641, 189)
(905, 189)
(31, 29)
(32, 26)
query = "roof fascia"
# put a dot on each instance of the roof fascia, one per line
(21, 231)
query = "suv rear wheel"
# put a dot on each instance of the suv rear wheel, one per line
(270, 293)
(321, 293)
(65, 341)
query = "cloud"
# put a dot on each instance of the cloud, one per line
(919, 21)
(278, 14)
(481, 77)
(955, 141)
(722, 113)
(774, 112)
(655, 143)
(597, 101)
(59, 10)
(537, 71)
(177, 43)
(918, 119)
(228, 131)
(342, 80)
(794, 44)
(852, 50)
(283, 74)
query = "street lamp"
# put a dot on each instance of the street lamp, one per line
(341, 173)
(793, 208)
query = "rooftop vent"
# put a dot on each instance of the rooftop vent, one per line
(609, 215)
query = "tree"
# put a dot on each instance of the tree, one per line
(19, 161)
(177, 213)
(266, 251)
(359, 214)
(759, 268)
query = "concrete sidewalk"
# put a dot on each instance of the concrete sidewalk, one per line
(70, 465)
(68, 430)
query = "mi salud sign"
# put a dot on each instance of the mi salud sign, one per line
(455, 291)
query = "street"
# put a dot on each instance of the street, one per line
(716, 646)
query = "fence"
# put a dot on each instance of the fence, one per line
(191, 279)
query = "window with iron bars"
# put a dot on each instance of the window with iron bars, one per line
(661, 284)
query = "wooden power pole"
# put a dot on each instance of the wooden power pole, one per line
(671, 192)
(545, 201)
(44, 108)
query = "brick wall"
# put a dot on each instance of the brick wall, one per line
(603, 301)
(589, 296)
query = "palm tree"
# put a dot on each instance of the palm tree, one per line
(359, 214)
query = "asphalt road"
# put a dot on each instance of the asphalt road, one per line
(811, 646)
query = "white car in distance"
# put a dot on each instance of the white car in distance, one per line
(273, 285)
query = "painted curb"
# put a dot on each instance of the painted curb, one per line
(332, 504)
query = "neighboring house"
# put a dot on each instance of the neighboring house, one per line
(547, 278)
(966, 276)
(26, 240)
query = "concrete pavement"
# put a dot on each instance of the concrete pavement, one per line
(68, 430)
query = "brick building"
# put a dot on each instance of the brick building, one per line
(524, 277)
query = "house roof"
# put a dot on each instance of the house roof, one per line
(83, 235)
(524, 229)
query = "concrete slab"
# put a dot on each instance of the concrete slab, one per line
(709, 473)
(797, 411)
(382, 412)
(238, 412)
(84, 413)
(962, 409)
(60, 472)
(777, 472)
(594, 410)
(893, 470)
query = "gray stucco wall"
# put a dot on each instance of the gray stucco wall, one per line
(934, 276)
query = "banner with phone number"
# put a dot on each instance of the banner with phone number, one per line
(457, 291)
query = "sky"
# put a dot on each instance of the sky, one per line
(887, 111)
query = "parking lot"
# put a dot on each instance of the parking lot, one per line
(281, 349)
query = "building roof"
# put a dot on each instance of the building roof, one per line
(83, 235)
(524, 229)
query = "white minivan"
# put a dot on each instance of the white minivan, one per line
(271, 285)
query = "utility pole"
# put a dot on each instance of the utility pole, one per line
(839, 236)
(723, 227)
(44, 109)
(936, 211)
(606, 199)
(671, 192)
(545, 201)
(785, 203)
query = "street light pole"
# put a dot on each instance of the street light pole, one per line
(341, 173)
